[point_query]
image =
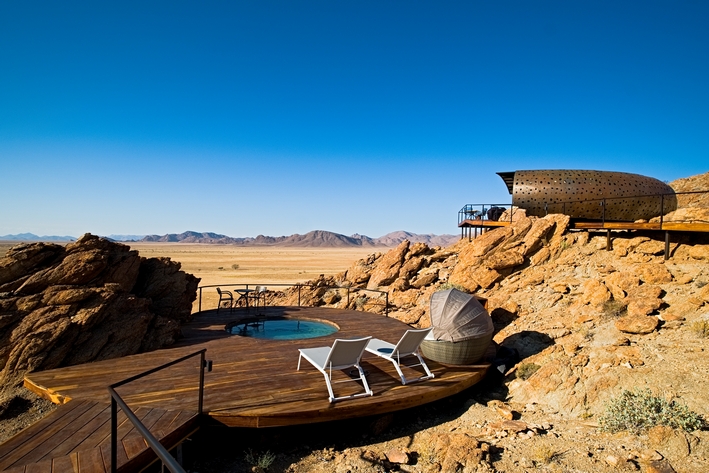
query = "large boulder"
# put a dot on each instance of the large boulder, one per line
(91, 300)
(387, 268)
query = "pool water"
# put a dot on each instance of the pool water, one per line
(283, 329)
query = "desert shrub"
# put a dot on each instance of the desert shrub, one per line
(361, 302)
(701, 328)
(544, 454)
(448, 285)
(220, 268)
(525, 370)
(639, 410)
(263, 460)
(234, 266)
(614, 308)
(584, 331)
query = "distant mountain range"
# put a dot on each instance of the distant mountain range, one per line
(314, 239)
(33, 237)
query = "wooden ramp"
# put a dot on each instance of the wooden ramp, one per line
(254, 382)
(76, 438)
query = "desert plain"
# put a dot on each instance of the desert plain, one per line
(231, 266)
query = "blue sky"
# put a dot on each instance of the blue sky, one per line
(263, 117)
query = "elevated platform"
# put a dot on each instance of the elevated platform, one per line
(597, 225)
(254, 382)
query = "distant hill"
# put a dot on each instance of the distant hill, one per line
(125, 237)
(33, 237)
(314, 239)
(394, 238)
(195, 237)
(321, 238)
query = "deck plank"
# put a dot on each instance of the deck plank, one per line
(91, 461)
(74, 439)
(65, 464)
(134, 446)
(32, 441)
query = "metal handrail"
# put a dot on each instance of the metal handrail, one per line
(479, 211)
(150, 439)
(299, 286)
(603, 202)
(631, 197)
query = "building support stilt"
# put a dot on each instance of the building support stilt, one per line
(609, 243)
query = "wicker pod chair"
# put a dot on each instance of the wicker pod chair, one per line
(462, 329)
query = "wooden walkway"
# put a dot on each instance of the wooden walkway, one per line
(76, 438)
(254, 383)
(596, 225)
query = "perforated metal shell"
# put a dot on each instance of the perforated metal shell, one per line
(580, 194)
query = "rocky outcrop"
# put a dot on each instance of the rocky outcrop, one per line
(695, 184)
(91, 300)
(583, 314)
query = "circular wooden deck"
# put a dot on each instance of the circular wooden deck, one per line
(254, 382)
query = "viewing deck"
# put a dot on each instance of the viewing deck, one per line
(254, 383)
(600, 225)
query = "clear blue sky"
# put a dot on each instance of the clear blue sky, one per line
(261, 117)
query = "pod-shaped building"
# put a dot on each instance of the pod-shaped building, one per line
(591, 195)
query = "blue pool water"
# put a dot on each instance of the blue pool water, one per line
(283, 329)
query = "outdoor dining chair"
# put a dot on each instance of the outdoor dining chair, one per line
(408, 345)
(225, 296)
(342, 355)
(258, 295)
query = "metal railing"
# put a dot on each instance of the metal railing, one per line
(483, 212)
(116, 401)
(299, 286)
(567, 207)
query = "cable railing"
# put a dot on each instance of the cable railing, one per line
(299, 286)
(611, 205)
(484, 212)
(116, 401)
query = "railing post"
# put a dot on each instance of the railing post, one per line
(199, 306)
(386, 307)
(603, 214)
(299, 286)
(200, 402)
(662, 209)
(348, 297)
(667, 245)
(114, 434)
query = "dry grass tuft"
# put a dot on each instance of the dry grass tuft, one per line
(701, 328)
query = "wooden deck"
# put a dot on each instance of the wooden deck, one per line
(76, 438)
(254, 383)
(594, 225)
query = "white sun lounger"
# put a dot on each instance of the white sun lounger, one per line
(408, 345)
(343, 354)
